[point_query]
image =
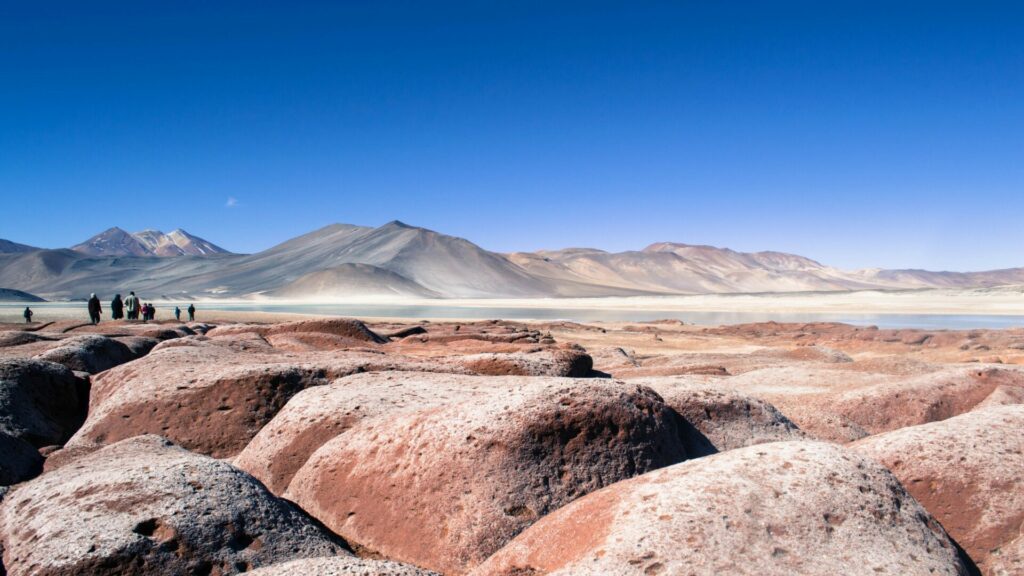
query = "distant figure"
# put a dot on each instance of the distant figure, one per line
(132, 304)
(177, 313)
(145, 312)
(28, 315)
(152, 311)
(94, 309)
(191, 312)
(116, 308)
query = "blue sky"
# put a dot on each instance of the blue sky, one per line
(857, 133)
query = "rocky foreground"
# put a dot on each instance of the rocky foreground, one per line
(331, 446)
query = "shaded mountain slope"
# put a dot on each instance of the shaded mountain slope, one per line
(352, 280)
(8, 247)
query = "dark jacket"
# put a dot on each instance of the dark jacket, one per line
(94, 305)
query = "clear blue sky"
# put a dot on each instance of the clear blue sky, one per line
(857, 133)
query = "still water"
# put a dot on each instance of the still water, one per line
(11, 312)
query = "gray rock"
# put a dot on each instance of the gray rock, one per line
(146, 506)
(41, 402)
(341, 566)
(18, 460)
(90, 354)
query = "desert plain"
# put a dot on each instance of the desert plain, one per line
(287, 444)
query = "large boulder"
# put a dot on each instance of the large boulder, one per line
(783, 508)
(319, 414)
(446, 485)
(968, 471)
(341, 566)
(42, 403)
(210, 398)
(19, 460)
(569, 362)
(346, 328)
(145, 506)
(92, 353)
(844, 405)
(716, 419)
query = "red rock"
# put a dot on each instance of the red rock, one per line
(444, 486)
(1009, 559)
(844, 406)
(967, 471)
(568, 362)
(210, 398)
(716, 419)
(344, 327)
(319, 414)
(783, 508)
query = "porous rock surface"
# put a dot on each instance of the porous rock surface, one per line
(341, 566)
(968, 471)
(92, 353)
(211, 398)
(717, 419)
(569, 362)
(842, 405)
(145, 506)
(321, 413)
(343, 327)
(783, 508)
(41, 402)
(445, 486)
(1009, 559)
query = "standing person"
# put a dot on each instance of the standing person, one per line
(28, 315)
(116, 308)
(94, 309)
(191, 312)
(132, 304)
(177, 313)
(145, 312)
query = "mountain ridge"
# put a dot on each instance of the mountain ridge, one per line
(116, 241)
(398, 259)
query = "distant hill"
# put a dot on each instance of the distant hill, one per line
(9, 295)
(117, 242)
(397, 259)
(8, 247)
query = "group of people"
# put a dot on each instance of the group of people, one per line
(132, 305)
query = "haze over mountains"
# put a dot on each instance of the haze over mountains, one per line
(396, 259)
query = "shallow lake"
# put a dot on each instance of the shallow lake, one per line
(11, 312)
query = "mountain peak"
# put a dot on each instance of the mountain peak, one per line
(150, 242)
(397, 224)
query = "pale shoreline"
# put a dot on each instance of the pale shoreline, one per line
(1008, 302)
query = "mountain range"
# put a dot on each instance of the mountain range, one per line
(397, 259)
